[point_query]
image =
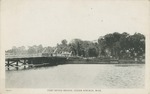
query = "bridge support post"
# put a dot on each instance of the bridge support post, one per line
(8, 64)
(24, 64)
(17, 67)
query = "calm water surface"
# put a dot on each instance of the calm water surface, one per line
(79, 76)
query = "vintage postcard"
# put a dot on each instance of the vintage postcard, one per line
(75, 46)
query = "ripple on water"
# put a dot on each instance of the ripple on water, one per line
(79, 76)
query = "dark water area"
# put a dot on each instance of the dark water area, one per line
(78, 76)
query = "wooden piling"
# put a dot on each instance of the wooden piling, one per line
(17, 67)
(8, 65)
(24, 64)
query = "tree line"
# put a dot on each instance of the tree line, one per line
(114, 45)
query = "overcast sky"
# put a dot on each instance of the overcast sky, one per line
(47, 22)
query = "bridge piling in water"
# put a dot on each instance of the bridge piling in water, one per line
(24, 63)
(8, 65)
(17, 65)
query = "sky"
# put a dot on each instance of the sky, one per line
(47, 22)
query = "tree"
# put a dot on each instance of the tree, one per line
(40, 48)
(92, 52)
(121, 45)
(14, 50)
(77, 47)
(64, 42)
(102, 46)
(137, 44)
(31, 50)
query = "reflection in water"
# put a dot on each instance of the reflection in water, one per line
(78, 76)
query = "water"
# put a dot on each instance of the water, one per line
(79, 76)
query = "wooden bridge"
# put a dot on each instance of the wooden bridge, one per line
(28, 62)
(35, 60)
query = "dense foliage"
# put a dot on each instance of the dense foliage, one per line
(114, 45)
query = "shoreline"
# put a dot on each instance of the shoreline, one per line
(103, 61)
(76, 60)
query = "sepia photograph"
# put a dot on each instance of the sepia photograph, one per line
(68, 46)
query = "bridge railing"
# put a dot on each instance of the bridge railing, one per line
(34, 55)
(22, 55)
